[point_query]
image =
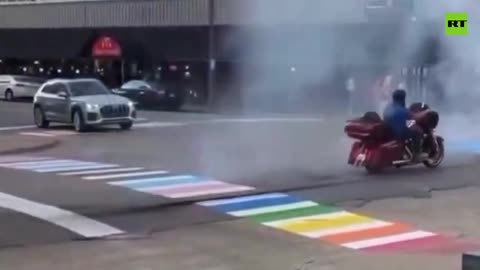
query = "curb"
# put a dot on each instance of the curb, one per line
(471, 261)
(37, 148)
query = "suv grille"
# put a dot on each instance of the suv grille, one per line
(111, 111)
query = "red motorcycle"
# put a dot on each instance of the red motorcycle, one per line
(376, 149)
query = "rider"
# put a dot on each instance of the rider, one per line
(396, 115)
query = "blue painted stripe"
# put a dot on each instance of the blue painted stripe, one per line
(56, 165)
(465, 146)
(158, 181)
(242, 199)
(257, 204)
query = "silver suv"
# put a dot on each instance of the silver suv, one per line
(83, 102)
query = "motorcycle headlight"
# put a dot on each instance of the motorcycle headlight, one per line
(92, 107)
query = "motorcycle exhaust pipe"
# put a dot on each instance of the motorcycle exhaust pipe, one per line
(401, 162)
(404, 161)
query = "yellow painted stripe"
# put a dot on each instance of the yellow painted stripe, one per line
(315, 224)
(279, 223)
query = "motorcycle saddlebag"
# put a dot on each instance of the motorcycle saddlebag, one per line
(388, 152)
(378, 156)
(362, 155)
(361, 129)
(354, 152)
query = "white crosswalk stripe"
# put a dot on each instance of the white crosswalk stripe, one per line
(57, 163)
(45, 164)
(51, 133)
(71, 221)
(16, 128)
(139, 123)
(35, 162)
(16, 158)
(158, 124)
(62, 132)
(39, 134)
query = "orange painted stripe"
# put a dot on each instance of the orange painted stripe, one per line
(343, 238)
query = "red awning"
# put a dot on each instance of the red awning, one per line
(106, 46)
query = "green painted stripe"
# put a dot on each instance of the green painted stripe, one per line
(293, 213)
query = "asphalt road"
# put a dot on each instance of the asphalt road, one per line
(149, 179)
(16, 113)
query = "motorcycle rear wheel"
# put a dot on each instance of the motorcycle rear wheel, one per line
(435, 161)
(373, 169)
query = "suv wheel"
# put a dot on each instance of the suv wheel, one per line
(175, 105)
(9, 95)
(126, 126)
(39, 118)
(78, 121)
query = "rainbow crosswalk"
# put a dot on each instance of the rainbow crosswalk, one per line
(151, 181)
(335, 226)
(275, 210)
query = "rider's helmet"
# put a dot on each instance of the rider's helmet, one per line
(399, 97)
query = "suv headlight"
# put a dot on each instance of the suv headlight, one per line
(131, 104)
(92, 107)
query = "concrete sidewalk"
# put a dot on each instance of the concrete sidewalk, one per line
(16, 144)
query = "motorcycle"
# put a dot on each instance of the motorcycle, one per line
(375, 148)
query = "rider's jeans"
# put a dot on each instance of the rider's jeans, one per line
(415, 134)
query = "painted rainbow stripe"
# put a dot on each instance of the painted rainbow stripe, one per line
(335, 226)
(156, 182)
(180, 186)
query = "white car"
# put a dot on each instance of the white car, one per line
(17, 86)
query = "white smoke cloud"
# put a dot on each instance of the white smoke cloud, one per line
(286, 49)
(459, 71)
(291, 50)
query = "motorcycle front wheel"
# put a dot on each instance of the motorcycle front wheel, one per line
(437, 158)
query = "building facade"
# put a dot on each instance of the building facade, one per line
(187, 39)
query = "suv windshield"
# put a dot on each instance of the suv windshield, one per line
(156, 85)
(88, 88)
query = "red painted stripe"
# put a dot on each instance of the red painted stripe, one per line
(388, 230)
(435, 243)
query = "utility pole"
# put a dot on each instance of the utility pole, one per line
(211, 55)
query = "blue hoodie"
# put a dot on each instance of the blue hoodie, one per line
(395, 116)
